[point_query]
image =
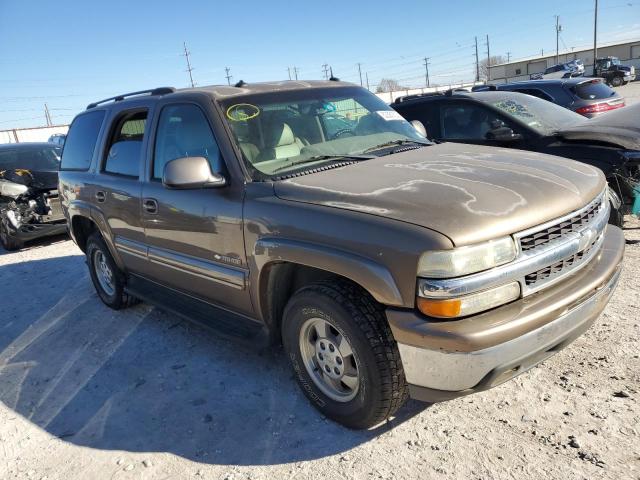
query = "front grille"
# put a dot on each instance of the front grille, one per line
(572, 224)
(557, 268)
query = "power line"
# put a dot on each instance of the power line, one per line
(189, 68)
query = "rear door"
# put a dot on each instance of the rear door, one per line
(117, 192)
(194, 237)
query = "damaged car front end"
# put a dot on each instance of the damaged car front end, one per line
(29, 204)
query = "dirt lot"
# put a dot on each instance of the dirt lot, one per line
(631, 92)
(88, 393)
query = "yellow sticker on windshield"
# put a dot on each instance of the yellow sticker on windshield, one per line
(242, 111)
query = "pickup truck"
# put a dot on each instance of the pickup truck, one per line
(387, 266)
(613, 72)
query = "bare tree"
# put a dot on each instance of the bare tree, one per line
(493, 60)
(389, 85)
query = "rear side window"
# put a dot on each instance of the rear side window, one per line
(124, 151)
(593, 90)
(535, 93)
(81, 141)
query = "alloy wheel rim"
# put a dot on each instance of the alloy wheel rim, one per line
(104, 274)
(329, 360)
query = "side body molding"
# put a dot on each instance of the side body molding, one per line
(372, 276)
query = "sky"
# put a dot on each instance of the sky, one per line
(69, 53)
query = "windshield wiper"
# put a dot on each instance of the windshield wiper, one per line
(396, 142)
(317, 158)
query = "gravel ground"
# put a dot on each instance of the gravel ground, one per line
(631, 92)
(89, 393)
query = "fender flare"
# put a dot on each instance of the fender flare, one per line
(370, 275)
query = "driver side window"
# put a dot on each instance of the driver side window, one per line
(183, 131)
(467, 121)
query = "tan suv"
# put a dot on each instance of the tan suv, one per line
(312, 214)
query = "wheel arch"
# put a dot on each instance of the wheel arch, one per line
(285, 266)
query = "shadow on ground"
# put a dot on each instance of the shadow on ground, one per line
(142, 380)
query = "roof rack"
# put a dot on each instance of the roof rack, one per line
(118, 98)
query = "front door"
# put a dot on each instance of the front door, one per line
(194, 237)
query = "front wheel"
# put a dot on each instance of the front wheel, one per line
(7, 240)
(343, 353)
(616, 81)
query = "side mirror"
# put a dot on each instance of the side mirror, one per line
(190, 173)
(503, 134)
(417, 124)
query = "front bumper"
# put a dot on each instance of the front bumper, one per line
(448, 359)
(31, 231)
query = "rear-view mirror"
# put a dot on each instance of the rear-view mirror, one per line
(190, 173)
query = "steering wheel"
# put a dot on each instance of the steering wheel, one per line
(341, 132)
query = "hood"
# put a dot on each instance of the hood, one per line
(38, 180)
(466, 192)
(619, 127)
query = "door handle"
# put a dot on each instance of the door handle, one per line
(100, 196)
(150, 205)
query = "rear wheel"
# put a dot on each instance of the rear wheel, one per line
(616, 81)
(107, 279)
(343, 353)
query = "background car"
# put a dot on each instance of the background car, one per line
(57, 138)
(29, 203)
(586, 96)
(561, 70)
(508, 119)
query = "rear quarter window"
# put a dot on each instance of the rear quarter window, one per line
(593, 91)
(81, 141)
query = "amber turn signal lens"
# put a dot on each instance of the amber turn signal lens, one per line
(439, 308)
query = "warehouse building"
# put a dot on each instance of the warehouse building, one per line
(522, 69)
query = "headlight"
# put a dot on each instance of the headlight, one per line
(466, 260)
(469, 304)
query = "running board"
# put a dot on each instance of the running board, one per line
(224, 323)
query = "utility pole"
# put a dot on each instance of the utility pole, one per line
(325, 71)
(228, 77)
(189, 68)
(360, 72)
(426, 70)
(367, 75)
(508, 57)
(47, 115)
(488, 59)
(477, 63)
(289, 72)
(595, 38)
(558, 30)
(295, 72)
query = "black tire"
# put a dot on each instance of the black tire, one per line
(361, 320)
(8, 242)
(616, 217)
(616, 81)
(118, 298)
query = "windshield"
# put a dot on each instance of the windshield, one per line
(282, 132)
(39, 158)
(543, 116)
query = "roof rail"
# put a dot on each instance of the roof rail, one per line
(118, 98)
